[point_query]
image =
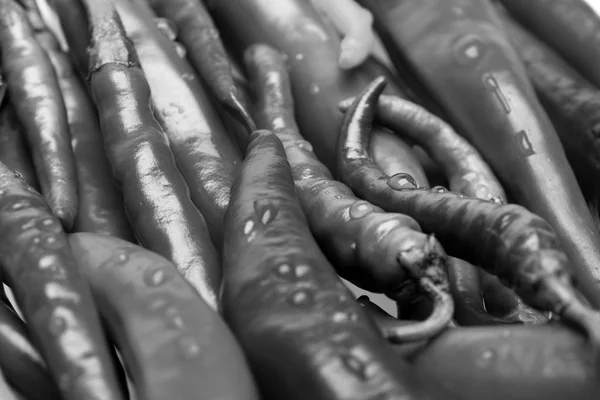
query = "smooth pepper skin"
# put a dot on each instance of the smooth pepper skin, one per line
(200, 37)
(101, 208)
(303, 333)
(517, 362)
(157, 199)
(36, 97)
(14, 152)
(312, 49)
(55, 300)
(173, 344)
(569, 26)
(464, 57)
(571, 101)
(204, 151)
(20, 362)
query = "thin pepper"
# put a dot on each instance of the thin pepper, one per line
(156, 196)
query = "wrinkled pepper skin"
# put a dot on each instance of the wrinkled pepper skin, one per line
(463, 56)
(204, 152)
(36, 97)
(55, 300)
(312, 48)
(570, 26)
(303, 333)
(156, 196)
(14, 152)
(20, 362)
(518, 362)
(173, 344)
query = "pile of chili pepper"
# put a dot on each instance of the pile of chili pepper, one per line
(236, 199)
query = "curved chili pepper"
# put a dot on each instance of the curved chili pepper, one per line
(517, 362)
(569, 26)
(281, 294)
(156, 196)
(173, 344)
(467, 172)
(38, 103)
(20, 362)
(506, 240)
(54, 299)
(197, 32)
(204, 153)
(462, 53)
(377, 251)
(14, 152)
(312, 48)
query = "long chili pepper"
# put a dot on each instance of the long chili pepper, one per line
(14, 152)
(460, 49)
(506, 240)
(375, 250)
(53, 297)
(101, 207)
(312, 47)
(36, 96)
(572, 102)
(156, 196)
(569, 26)
(20, 362)
(281, 294)
(200, 37)
(173, 344)
(205, 154)
(516, 362)
(466, 170)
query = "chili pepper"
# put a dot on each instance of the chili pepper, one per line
(20, 362)
(569, 26)
(375, 250)
(156, 196)
(201, 38)
(502, 301)
(467, 172)
(465, 58)
(14, 152)
(173, 344)
(394, 155)
(506, 240)
(312, 48)
(570, 100)
(53, 297)
(204, 153)
(503, 363)
(281, 294)
(466, 293)
(74, 24)
(38, 103)
(100, 203)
